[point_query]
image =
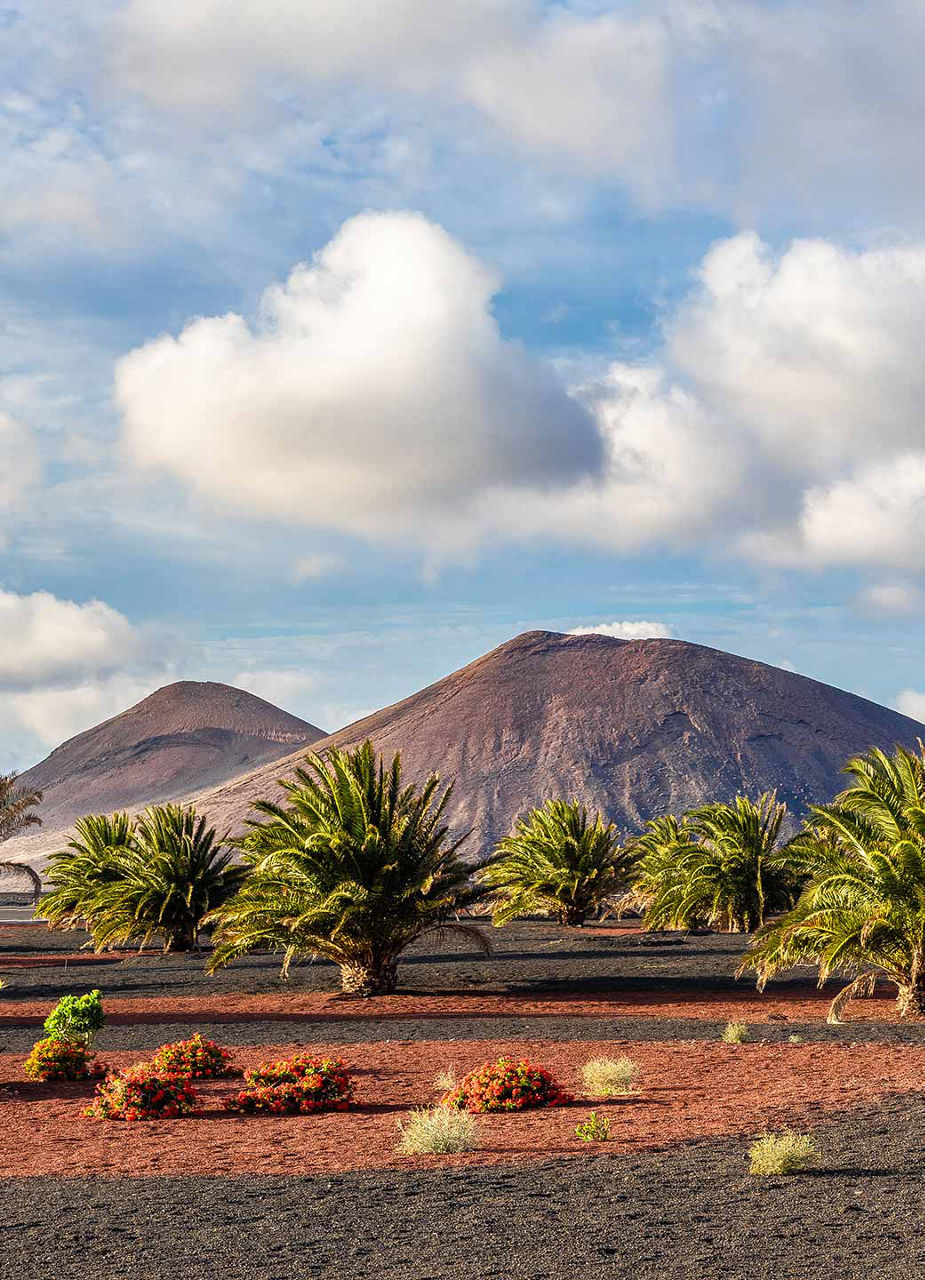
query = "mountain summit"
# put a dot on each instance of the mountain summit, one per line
(183, 738)
(633, 727)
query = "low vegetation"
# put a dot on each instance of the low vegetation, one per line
(140, 1092)
(595, 1129)
(776, 1153)
(302, 1084)
(52, 1059)
(446, 1080)
(155, 877)
(861, 914)
(197, 1058)
(735, 1033)
(505, 1085)
(354, 868)
(557, 861)
(437, 1131)
(77, 1019)
(609, 1077)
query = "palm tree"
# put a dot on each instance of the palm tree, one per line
(16, 805)
(557, 860)
(155, 877)
(862, 912)
(353, 868)
(721, 867)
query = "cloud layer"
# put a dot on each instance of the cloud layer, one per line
(374, 392)
(640, 630)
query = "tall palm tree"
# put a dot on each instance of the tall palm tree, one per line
(557, 860)
(16, 807)
(722, 867)
(862, 912)
(354, 868)
(155, 877)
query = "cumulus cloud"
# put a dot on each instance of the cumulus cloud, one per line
(51, 715)
(891, 598)
(374, 392)
(626, 630)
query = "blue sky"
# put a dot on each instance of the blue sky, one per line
(336, 347)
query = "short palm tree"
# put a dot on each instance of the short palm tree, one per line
(721, 867)
(354, 868)
(16, 807)
(155, 877)
(557, 860)
(861, 914)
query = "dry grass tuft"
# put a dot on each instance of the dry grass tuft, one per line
(446, 1080)
(735, 1033)
(609, 1077)
(437, 1131)
(786, 1152)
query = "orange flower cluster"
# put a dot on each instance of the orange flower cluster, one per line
(294, 1085)
(141, 1093)
(505, 1085)
(197, 1058)
(54, 1059)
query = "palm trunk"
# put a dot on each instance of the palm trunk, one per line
(574, 917)
(369, 979)
(910, 1002)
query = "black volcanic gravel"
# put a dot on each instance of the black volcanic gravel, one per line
(691, 1212)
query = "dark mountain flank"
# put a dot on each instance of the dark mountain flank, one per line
(636, 728)
(183, 738)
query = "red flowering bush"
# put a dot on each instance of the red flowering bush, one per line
(294, 1085)
(53, 1059)
(505, 1085)
(197, 1058)
(140, 1092)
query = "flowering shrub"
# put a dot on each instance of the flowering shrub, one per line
(76, 1018)
(505, 1085)
(294, 1085)
(198, 1058)
(53, 1059)
(140, 1092)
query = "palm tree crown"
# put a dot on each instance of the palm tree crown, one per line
(720, 866)
(862, 912)
(155, 877)
(354, 868)
(557, 859)
(16, 807)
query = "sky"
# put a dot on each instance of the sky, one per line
(339, 344)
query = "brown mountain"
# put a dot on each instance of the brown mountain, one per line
(183, 738)
(636, 728)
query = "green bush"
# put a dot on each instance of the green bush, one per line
(735, 1033)
(595, 1129)
(609, 1077)
(437, 1131)
(786, 1152)
(76, 1018)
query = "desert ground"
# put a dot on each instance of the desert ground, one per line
(278, 1198)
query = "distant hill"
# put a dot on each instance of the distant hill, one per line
(633, 727)
(183, 738)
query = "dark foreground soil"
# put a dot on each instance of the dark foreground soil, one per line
(692, 1211)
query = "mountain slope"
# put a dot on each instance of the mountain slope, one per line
(183, 738)
(636, 728)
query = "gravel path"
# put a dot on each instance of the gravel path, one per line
(688, 1212)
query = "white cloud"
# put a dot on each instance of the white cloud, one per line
(19, 468)
(911, 702)
(626, 630)
(52, 641)
(315, 567)
(374, 395)
(293, 690)
(51, 715)
(891, 598)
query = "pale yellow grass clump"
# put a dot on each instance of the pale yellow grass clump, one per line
(609, 1077)
(445, 1080)
(437, 1131)
(786, 1152)
(735, 1033)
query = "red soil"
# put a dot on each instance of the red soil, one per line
(688, 1090)
(808, 1005)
